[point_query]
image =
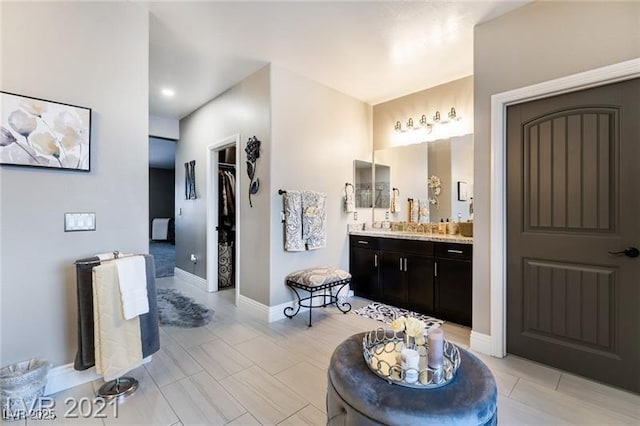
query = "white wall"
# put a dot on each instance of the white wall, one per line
(164, 127)
(461, 170)
(538, 42)
(317, 133)
(243, 109)
(94, 55)
(408, 173)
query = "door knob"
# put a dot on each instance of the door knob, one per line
(629, 252)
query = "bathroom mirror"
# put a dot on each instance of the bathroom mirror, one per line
(410, 167)
(372, 185)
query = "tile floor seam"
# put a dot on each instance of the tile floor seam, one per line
(293, 414)
(200, 388)
(513, 387)
(170, 406)
(581, 401)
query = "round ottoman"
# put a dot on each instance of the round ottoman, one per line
(356, 396)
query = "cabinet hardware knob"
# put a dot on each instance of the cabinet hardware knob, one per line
(400, 264)
(375, 260)
(435, 269)
(363, 242)
(455, 251)
(405, 264)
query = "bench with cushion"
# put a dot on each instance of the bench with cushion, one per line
(315, 280)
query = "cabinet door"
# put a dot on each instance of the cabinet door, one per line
(419, 274)
(453, 290)
(364, 272)
(392, 278)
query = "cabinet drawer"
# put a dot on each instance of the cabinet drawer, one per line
(424, 248)
(365, 242)
(454, 251)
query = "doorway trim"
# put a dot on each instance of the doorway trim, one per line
(498, 237)
(212, 209)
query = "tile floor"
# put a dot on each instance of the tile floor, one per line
(239, 370)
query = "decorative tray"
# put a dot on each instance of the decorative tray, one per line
(382, 348)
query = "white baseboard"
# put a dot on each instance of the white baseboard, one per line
(65, 377)
(276, 313)
(480, 342)
(264, 312)
(247, 304)
(273, 313)
(190, 278)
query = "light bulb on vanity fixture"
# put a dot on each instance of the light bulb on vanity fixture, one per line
(167, 92)
(424, 124)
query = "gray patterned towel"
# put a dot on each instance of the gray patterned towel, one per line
(293, 221)
(314, 219)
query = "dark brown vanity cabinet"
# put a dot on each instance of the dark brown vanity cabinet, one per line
(364, 264)
(453, 276)
(428, 277)
(406, 273)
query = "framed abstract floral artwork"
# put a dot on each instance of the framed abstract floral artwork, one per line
(39, 133)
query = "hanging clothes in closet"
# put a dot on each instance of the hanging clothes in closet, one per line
(226, 225)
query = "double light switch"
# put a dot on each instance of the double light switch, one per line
(79, 222)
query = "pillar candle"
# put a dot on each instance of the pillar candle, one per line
(411, 364)
(435, 343)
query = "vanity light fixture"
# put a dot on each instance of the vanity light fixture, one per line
(424, 124)
(168, 92)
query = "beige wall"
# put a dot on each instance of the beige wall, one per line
(457, 93)
(536, 43)
(317, 133)
(243, 109)
(94, 55)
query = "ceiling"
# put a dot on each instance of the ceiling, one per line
(373, 51)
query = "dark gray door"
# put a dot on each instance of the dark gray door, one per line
(573, 196)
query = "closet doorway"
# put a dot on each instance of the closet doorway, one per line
(223, 215)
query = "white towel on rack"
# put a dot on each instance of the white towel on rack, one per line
(293, 221)
(314, 219)
(132, 281)
(395, 201)
(118, 342)
(349, 199)
(423, 210)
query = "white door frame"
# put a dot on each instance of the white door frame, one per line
(212, 213)
(499, 102)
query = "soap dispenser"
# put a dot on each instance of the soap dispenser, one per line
(442, 227)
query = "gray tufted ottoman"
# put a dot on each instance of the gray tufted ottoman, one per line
(356, 396)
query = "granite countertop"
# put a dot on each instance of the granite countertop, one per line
(421, 236)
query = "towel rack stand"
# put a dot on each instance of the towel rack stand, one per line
(121, 387)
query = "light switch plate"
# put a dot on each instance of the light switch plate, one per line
(79, 222)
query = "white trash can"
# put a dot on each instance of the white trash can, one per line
(20, 385)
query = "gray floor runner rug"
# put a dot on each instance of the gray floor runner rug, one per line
(177, 310)
(164, 255)
(386, 314)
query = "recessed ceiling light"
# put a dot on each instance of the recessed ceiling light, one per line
(168, 92)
